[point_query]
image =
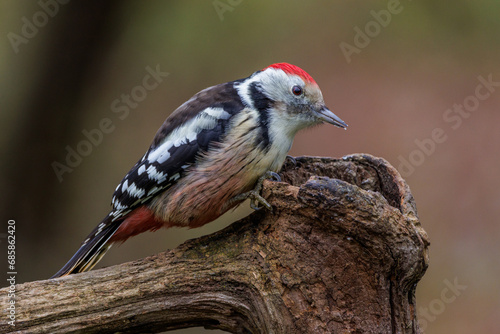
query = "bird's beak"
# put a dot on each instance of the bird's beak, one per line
(327, 116)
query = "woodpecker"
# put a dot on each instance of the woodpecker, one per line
(210, 154)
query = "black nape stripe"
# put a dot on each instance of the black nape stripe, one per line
(262, 103)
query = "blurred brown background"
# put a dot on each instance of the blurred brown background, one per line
(396, 72)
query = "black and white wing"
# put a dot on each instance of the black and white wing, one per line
(189, 131)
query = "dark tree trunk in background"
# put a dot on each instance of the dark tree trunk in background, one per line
(341, 252)
(77, 38)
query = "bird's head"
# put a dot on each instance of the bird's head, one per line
(291, 94)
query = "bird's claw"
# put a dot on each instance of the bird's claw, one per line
(292, 160)
(254, 194)
(269, 175)
(256, 199)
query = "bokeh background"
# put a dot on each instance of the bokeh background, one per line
(62, 72)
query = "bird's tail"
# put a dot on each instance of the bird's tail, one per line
(92, 249)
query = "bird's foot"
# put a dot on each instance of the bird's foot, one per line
(291, 159)
(254, 194)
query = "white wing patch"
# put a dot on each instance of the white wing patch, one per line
(217, 113)
(141, 170)
(118, 206)
(160, 154)
(124, 186)
(154, 174)
(135, 192)
(187, 132)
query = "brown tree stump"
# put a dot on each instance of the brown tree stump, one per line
(341, 252)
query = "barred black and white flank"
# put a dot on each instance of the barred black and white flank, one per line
(208, 156)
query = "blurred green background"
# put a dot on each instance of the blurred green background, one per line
(62, 72)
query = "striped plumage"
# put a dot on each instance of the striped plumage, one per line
(209, 151)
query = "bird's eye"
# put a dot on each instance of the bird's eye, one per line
(297, 90)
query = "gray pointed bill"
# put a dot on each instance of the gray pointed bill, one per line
(327, 116)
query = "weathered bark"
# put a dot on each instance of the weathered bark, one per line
(341, 252)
